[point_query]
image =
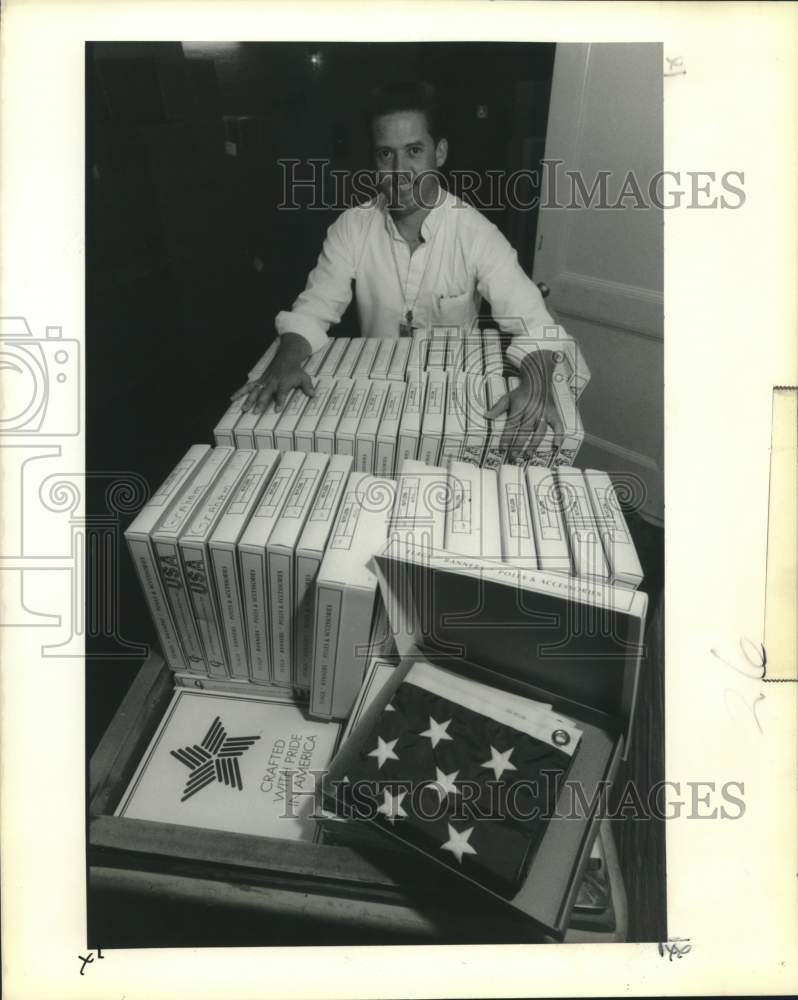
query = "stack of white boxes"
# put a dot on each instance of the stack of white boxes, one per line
(256, 563)
(452, 381)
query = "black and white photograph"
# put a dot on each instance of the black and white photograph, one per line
(398, 448)
(388, 344)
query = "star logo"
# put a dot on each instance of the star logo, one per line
(215, 759)
(437, 731)
(444, 784)
(384, 751)
(458, 842)
(499, 762)
(391, 807)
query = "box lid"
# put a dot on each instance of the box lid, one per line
(246, 496)
(360, 530)
(325, 507)
(168, 491)
(580, 640)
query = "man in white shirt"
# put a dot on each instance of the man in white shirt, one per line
(419, 258)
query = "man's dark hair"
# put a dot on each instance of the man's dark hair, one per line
(407, 96)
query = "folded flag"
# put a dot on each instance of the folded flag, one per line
(465, 772)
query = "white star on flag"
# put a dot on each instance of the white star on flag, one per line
(384, 751)
(391, 808)
(499, 762)
(444, 784)
(458, 842)
(437, 731)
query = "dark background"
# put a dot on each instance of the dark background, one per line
(188, 260)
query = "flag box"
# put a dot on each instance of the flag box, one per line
(476, 421)
(309, 553)
(454, 427)
(350, 358)
(196, 556)
(259, 430)
(252, 560)
(345, 595)
(224, 558)
(346, 431)
(366, 358)
(366, 434)
(223, 432)
(494, 357)
(437, 350)
(495, 389)
(332, 359)
(275, 878)
(432, 421)
(473, 356)
(383, 358)
(388, 433)
(401, 355)
(412, 415)
(423, 495)
(587, 551)
(614, 531)
(445, 610)
(313, 362)
(518, 537)
(328, 423)
(417, 358)
(568, 410)
(304, 432)
(165, 543)
(290, 415)
(142, 553)
(545, 505)
(280, 563)
(472, 512)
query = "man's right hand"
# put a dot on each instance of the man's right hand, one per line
(283, 374)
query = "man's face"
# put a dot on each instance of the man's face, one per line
(406, 157)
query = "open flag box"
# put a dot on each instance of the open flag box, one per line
(571, 646)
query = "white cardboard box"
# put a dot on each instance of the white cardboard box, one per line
(258, 430)
(545, 504)
(472, 516)
(196, 556)
(437, 350)
(587, 552)
(476, 404)
(495, 387)
(347, 363)
(418, 518)
(455, 426)
(313, 363)
(290, 415)
(473, 359)
(280, 562)
(165, 544)
(568, 409)
(309, 553)
(518, 537)
(432, 423)
(618, 544)
(345, 595)
(346, 432)
(335, 353)
(252, 559)
(235, 763)
(366, 359)
(454, 346)
(223, 432)
(382, 360)
(328, 424)
(141, 552)
(417, 359)
(366, 435)
(224, 558)
(412, 414)
(304, 433)
(388, 433)
(401, 355)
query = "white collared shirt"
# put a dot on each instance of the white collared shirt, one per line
(463, 257)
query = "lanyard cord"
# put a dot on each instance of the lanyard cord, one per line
(407, 308)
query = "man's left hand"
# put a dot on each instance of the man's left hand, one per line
(530, 409)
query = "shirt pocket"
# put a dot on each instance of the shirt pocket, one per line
(453, 310)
